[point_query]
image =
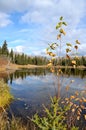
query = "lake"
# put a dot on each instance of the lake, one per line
(32, 88)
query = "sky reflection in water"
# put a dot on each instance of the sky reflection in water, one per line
(32, 91)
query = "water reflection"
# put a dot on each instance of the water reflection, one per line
(75, 72)
(39, 71)
(43, 71)
(33, 87)
(25, 72)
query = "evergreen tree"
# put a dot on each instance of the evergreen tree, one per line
(11, 55)
(4, 48)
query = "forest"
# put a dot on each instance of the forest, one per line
(24, 59)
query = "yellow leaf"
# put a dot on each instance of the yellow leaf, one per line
(69, 44)
(50, 61)
(84, 99)
(73, 62)
(53, 58)
(74, 66)
(62, 102)
(83, 107)
(76, 93)
(50, 64)
(53, 55)
(72, 97)
(68, 50)
(77, 42)
(78, 117)
(59, 36)
(77, 99)
(85, 117)
(79, 110)
(62, 31)
(66, 99)
(52, 70)
(80, 100)
(78, 113)
(73, 110)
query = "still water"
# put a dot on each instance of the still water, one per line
(32, 88)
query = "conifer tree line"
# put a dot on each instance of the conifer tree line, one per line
(80, 61)
(23, 59)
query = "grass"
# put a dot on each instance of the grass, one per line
(7, 123)
(5, 95)
(14, 123)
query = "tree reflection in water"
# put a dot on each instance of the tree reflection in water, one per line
(42, 71)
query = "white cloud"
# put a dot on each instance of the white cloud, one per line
(82, 49)
(50, 8)
(23, 5)
(33, 17)
(19, 49)
(23, 30)
(14, 5)
(17, 41)
(39, 52)
(4, 19)
(46, 14)
(18, 81)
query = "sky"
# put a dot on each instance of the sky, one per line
(29, 25)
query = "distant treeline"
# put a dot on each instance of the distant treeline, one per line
(23, 59)
(80, 61)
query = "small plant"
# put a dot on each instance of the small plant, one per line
(65, 115)
(76, 104)
(56, 117)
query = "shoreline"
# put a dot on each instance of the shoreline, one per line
(14, 67)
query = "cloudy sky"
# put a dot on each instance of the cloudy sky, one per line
(29, 25)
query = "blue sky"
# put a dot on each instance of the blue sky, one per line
(29, 25)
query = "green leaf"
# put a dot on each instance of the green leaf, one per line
(75, 128)
(61, 18)
(59, 36)
(64, 23)
(59, 25)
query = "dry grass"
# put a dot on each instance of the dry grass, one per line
(5, 96)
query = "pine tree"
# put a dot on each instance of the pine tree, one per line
(11, 55)
(4, 48)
